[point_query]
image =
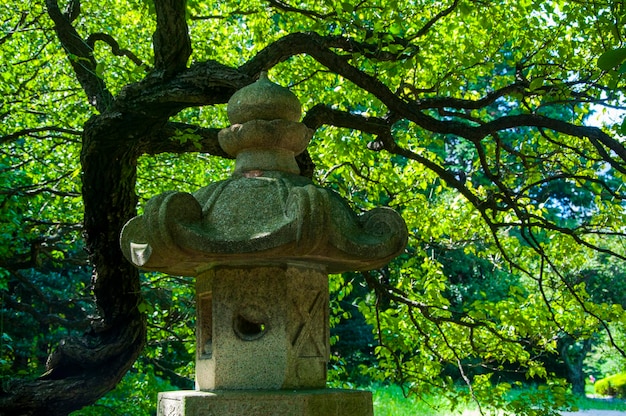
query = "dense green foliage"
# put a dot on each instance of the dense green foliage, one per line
(471, 118)
(614, 385)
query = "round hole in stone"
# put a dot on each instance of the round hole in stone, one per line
(248, 330)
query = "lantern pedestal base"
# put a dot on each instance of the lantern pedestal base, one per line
(321, 402)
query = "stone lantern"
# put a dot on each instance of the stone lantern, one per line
(261, 245)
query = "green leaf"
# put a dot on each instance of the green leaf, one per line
(536, 83)
(396, 29)
(610, 59)
(99, 69)
(145, 307)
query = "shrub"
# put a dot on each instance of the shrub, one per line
(612, 386)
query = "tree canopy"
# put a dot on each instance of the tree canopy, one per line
(486, 124)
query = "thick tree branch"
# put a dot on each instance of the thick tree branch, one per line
(317, 46)
(73, 381)
(204, 83)
(183, 138)
(461, 104)
(320, 47)
(172, 45)
(599, 139)
(81, 58)
(321, 114)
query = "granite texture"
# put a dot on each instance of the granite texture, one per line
(262, 328)
(265, 212)
(260, 245)
(274, 217)
(323, 402)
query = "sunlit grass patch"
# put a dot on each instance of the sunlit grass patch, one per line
(390, 401)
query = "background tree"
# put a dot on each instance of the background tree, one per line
(466, 116)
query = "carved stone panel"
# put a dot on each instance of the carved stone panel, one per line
(268, 328)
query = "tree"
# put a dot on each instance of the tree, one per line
(392, 88)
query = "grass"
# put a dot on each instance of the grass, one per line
(591, 401)
(588, 403)
(389, 401)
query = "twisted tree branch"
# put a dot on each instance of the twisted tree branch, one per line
(81, 58)
(172, 45)
(115, 46)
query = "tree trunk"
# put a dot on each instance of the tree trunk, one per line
(573, 354)
(81, 370)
